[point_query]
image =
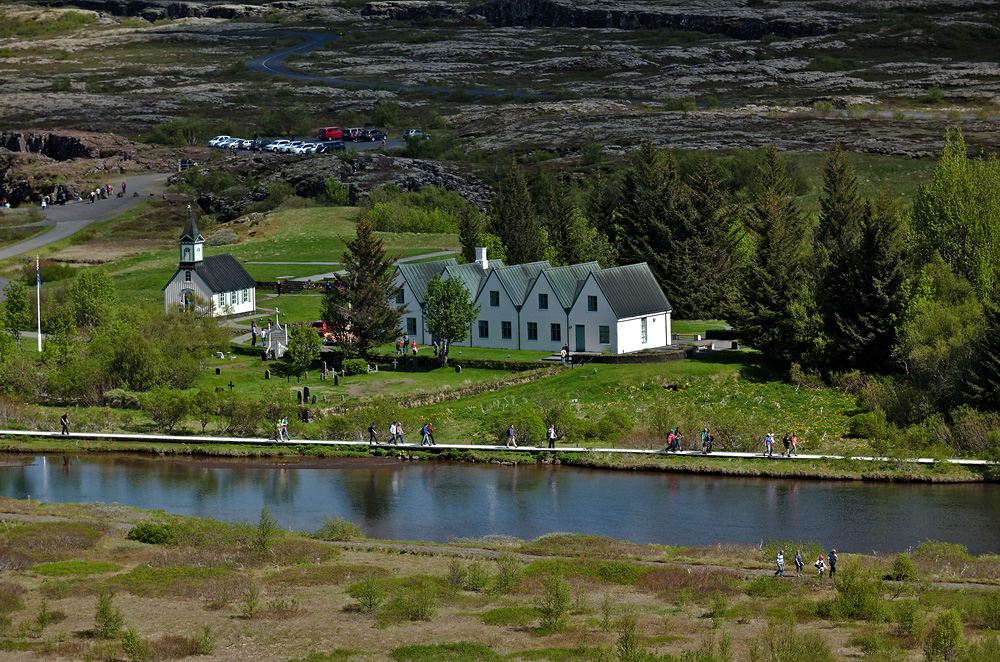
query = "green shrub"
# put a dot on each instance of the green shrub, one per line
(355, 366)
(554, 603)
(938, 551)
(413, 603)
(66, 568)
(457, 575)
(903, 569)
(369, 592)
(477, 577)
(766, 587)
(134, 647)
(336, 194)
(859, 593)
(152, 533)
(906, 614)
(509, 571)
(338, 528)
(619, 572)
(108, 620)
(946, 637)
(11, 599)
(869, 425)
(613, 425)
(459, 652)
(934, 95)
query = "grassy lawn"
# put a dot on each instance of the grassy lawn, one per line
(695, 326)
(899, 177)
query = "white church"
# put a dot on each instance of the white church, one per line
(536, 306)
(218, 280)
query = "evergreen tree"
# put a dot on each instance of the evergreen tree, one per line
(471, 224)
(601, 203)
(448, 311)
(364, 302)
(982, 386)
(514, 221)
(16, 311)
(841, 209)
(775, 310)
(862, 292)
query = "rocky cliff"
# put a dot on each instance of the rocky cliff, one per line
(729, 19)
(152, 10)
(413, 10)
(53, 145)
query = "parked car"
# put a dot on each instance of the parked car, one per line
(227, 143)
(214, 142)
(320, 327)
(373, 135)
(276, 145)
(330, 146)
(353, 133)
(246, 143)
(304, 148)
(331, 133)
(287, 148)
(260, 143)
(413, 133)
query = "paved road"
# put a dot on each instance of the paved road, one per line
(72, 217)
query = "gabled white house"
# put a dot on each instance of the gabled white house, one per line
(536, 306)
(219, 280)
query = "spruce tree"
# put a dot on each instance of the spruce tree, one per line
(841, 209)
(711, 245)
(775, 310)
(365, 303)
(982, 386)
(514, 221)
(471, 224)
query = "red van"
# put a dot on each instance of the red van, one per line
(331, 133)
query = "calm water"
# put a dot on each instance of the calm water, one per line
(439, 501)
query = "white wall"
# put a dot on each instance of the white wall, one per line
(630, 333)
(411, 309)
(555, 314)
(494, 315)
(173, 295)
(592, 321)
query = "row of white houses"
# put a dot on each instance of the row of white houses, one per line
(536, 306)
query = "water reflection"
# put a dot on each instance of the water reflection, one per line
(437, 501)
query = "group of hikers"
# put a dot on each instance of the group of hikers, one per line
(396, 434)
(790, 442)
(281, 430)
(263, 333)
(103, 192)
(404, 341)
(820, 564)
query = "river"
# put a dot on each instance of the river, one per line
(440, 501)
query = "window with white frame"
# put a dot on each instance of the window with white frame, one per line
(187, 276)
(645, 334)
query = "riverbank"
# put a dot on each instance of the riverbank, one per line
(103, 581)
(907, 470)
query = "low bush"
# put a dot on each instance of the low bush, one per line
(859, 594)
(66, 568)
(152, 533)
(354, 366)
(11, 597)
(459, 652)
(50, 541)
(509, 572)
(222, 237)
(937, 551)
(554, 603)
(902, 569)
(946, 638)
(338, 528)
(412, 603)
(370, 593)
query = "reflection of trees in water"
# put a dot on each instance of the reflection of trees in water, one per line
(371, 492)
(277, 484)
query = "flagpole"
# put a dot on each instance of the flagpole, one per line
(38, 302)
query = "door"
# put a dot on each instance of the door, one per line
(581, 338)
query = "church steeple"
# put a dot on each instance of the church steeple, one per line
(191, 243)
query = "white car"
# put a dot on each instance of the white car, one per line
(214, 142)
(287, 148)
(273, 147)
(232, 143)
(305, 148)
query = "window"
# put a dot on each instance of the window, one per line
(494, 298)
(532, 330)
(187, 253)
(505, 331)
(484, 329)
(556, 332)
(605, 332)
(645, 335)
(222, 299)
(187, 276)
(411, 326)
(400, 297)
(592, 304)
(246, 295)
(543, 302)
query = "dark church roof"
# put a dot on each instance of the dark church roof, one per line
(191, 229)
(222, 273)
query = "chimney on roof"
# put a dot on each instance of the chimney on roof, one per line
(481, 258)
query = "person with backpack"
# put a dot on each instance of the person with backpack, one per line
(284, 428)
(833, 562)
(372, 434)
(788, 444)
(511, 437)
(424, 439)
(798, 562)
(551, 434)
(392, 433)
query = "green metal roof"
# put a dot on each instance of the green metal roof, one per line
(567, 281)
(517, 278)
(471, 275)
(632, 290)
(418, 274)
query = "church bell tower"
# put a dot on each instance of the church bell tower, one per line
(191, 243)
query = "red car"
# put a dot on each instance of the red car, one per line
(321, 327)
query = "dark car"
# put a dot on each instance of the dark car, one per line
(373, 135)
(260, 144)
(330, 146)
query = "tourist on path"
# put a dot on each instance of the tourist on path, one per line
(284, 429)
(769, 445)
(795, 444)
(392, 433)
(552, 436)
(833, 562)
(798, 562)
(372, 434)
(780, 572)
(511, 439)
(424, 439)
(706, 441)
(787, 441)
(399, 432)
(430, 433)
(820, 566)
(253, 333)
(64, 421)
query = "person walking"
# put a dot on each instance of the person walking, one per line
(123, 187)
(798, 562)
(372, 434)
(768, 445)
(253, 333)
(511, 438)
(399, 432)
(780, 572)
(787, 441)
(706, 443)
(424, 439)
(795, 445)
(392, 433)
(820, 566)
(833, 562)
(430, 433)
(552, 436)
(284, 429)
(64, 421)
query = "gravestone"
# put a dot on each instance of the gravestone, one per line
(336, 379)
(307, 374)
(458, 368)
(267, 374)
(314, 399)
(324, 371)
(305, 392)
(218, 371)
(299, 394)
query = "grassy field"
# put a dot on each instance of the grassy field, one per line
(110, 582)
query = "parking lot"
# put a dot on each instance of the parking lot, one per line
(250, 145)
